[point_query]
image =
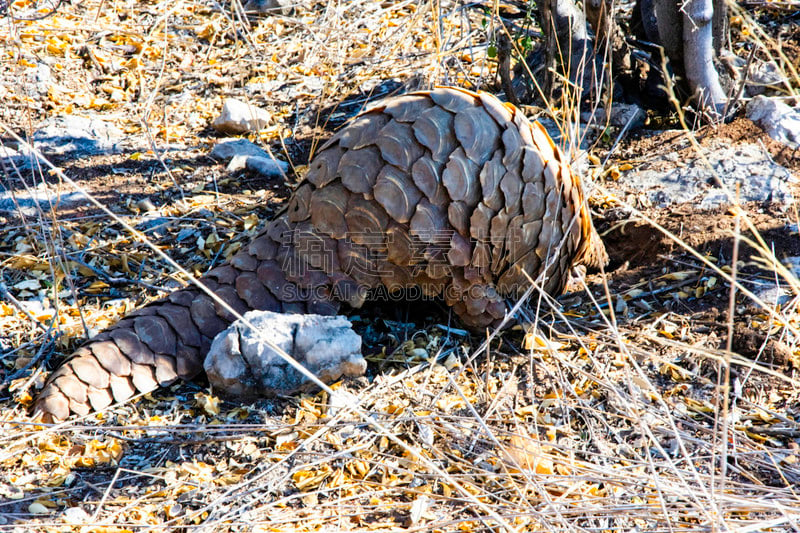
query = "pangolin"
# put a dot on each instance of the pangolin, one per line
(448, 192)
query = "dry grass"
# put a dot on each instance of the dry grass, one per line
(614, 413)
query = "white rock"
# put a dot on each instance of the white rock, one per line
(237, 163)
(244, 154)
(762, 75)
(75, 515)
(240, 117)
(770, 294)
(621, 115)
(759, 178)
(40, 76)
(229, 148)
(267, 167)
(780, 121)
(342, 400)
(8, 152)
(240, 364)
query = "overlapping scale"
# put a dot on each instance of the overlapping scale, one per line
(434, 130)
(429, 222)
(359, 169)
(328, 205)
(322, 169)
(477, 133)
(407, 108)
(490, 176)
(362, 131)
(398, 146)
(396, 192)
(460, 178)
(366, 222)
(427, 176)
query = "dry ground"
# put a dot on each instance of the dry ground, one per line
(614, 414)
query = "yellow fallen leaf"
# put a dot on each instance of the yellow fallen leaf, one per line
(97, 286)
(526, 454)
(308, 479)
(208, 403)
(679, 276)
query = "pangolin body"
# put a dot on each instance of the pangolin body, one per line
(447, 191)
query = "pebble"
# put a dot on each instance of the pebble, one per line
(779, 120)
(240, 364)
(239, 117)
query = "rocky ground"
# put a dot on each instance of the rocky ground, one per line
(612, 413)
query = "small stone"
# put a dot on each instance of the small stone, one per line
(267, 167)
(762, 75)
(780, 121)
(229, 148)
(237, 163)
(8, 152)
(772, 295)
(240, 117)
(283, 7)
(240, 364)
(75, 515)
(38, 508)
(621, 115)
(145, 204)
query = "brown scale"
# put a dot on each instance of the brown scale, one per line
(448, 190)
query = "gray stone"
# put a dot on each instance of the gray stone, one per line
(283, 7)
(771, 294)
(793, 264)
(154, 224)
(240, 117)
(229, 148)
(761, 75)
(764, 74)
(28, 202)
(267, 167)
(240, 364)
(242, 154)
(760, 179)
(78, 135)
(621, 115)
(780, 121)
(6, 152)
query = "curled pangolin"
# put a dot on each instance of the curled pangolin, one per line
(448, 191)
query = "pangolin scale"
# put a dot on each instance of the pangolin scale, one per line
(448, 191)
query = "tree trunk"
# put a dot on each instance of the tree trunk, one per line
(569, 46)
(698, 57)
(691, 33)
